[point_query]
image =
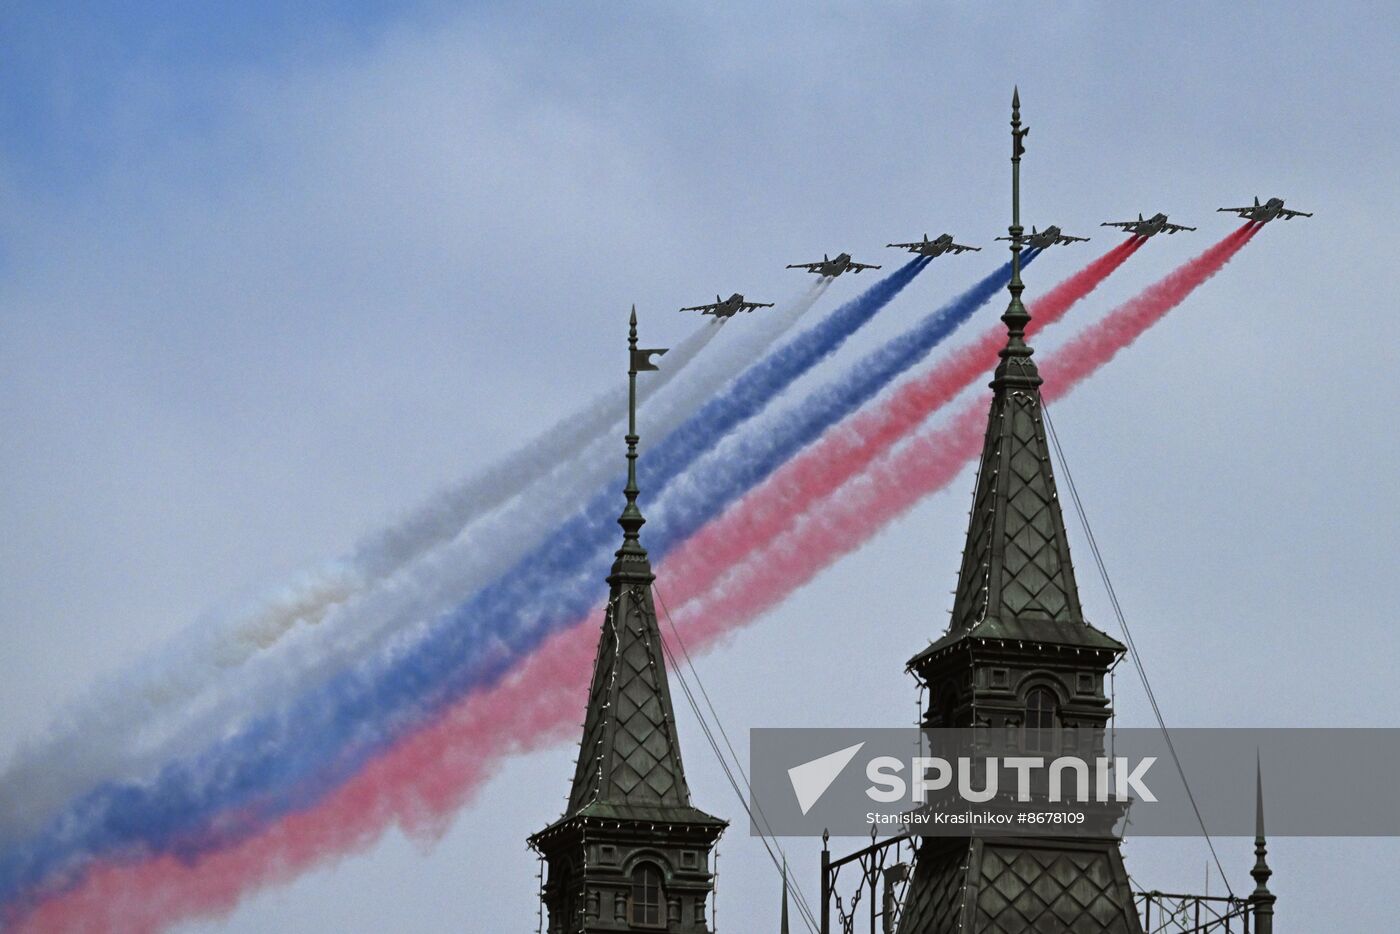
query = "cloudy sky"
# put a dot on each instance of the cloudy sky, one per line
(268, 279)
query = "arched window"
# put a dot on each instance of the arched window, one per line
(1040, 720)
(648, 898)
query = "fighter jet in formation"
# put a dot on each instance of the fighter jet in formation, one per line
(1048, 237)
(728, 307)
(1263, 213)
(833, 267)
(1155, 224)
(941, 244)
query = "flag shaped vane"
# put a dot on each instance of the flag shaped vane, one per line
(641, 358)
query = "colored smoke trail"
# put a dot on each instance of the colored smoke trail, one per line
(927, 462)
(290, 759)
(97, 737)
(704, 492)
(430, 774)
(452, 510)
(848, 449)
(1086, 353)
(341, 611)
(417, 788)
(578, 442)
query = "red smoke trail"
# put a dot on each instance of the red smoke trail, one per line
(430, 775)
(927, 463)
(417, 805)
(418, 786)
(850, 447)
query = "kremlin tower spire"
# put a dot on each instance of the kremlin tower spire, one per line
(630, 853)
(1019, 661)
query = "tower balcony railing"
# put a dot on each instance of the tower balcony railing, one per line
(1168, 913)
(877, 877)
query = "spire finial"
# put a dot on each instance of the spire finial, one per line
(1261, 898)
(783, 927)
(1015, 356)
(631, 520)
(1258, 800)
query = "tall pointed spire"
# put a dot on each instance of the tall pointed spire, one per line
(1018, 658)
(1017, 580)
(630, 752)
(629, 848)
(1261, 898)
(1018, 663)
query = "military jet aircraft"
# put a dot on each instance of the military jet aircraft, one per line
(728, 307)
(833, 267)
(941, 244)
(1263, 213)
(1048, 237)
(1155, 224)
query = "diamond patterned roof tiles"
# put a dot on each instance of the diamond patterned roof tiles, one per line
(1012, 888)
(630, 754)
(1017, 580)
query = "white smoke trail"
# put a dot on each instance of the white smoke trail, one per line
(212, 678)
(449, 512)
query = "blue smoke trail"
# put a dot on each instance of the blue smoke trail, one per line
(709, 491)
(97, 739)
(286, 762)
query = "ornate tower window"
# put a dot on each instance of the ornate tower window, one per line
(648, 897)
(1041, 706)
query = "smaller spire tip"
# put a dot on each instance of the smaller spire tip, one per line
(1258, 797)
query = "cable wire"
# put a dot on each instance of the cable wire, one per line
(1128, 637)
(759, 819)
(734, 784)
